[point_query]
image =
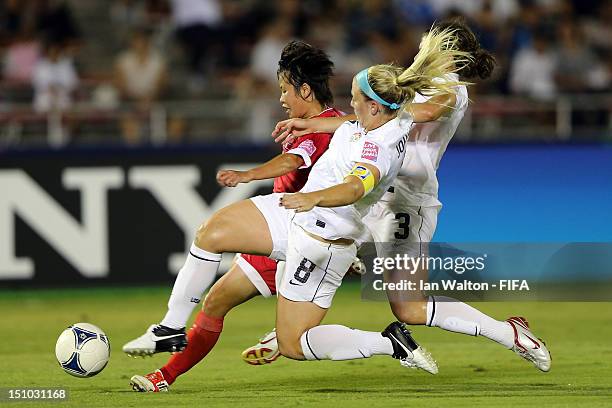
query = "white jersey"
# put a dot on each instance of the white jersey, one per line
(417, 183)
(383, 148)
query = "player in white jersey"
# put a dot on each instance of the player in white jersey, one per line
(410, 207)
(405, 218)
(315, 230)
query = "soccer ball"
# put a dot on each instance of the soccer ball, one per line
(82, 350)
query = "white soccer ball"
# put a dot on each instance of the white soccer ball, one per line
(82, 350)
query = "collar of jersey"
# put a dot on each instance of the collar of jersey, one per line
(381, 127)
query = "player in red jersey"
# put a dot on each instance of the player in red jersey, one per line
(303, 76)
(290, 170)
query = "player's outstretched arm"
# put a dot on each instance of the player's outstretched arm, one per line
(291, 129)
(281, 164)
(433, 109)
(362, 179)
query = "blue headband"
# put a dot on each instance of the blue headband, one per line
(362, 81)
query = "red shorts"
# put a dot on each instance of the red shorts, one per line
(261, 271)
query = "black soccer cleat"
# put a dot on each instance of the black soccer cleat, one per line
(157, 339)
(407, 350)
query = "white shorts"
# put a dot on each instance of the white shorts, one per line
(408, 229)
(314, 269)
(278, 219)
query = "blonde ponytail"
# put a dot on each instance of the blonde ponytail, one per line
(438, 56)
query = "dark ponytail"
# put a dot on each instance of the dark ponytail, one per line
(482, 62)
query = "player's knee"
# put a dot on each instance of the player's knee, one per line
(410, 312)
(290, 348)
(212, 235)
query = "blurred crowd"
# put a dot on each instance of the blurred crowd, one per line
(128, 55)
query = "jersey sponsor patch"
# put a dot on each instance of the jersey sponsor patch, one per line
(308, 146)
(370, 151)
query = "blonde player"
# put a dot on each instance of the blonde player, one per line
(406, 216)
(315, 230)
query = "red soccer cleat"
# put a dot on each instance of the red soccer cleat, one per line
(153, 382)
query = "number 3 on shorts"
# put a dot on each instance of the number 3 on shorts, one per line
(304, 270)
(404, 224)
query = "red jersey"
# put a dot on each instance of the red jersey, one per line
(309, 147)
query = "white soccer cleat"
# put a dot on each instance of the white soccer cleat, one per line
(157, 339)
(527, 345)
(422, 359)
(406, 349)
(264, 352)
(153, 382)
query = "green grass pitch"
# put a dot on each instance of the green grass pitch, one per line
(474, 372)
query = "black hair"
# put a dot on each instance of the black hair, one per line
(482, 63)
(301, 63)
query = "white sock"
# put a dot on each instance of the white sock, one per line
(453, 315)
(335, 342)
(196, 275)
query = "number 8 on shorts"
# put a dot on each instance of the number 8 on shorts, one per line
(314, 269)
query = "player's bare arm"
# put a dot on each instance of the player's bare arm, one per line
(435, 108)
(290, 129)
(278, 166)
(355, 186)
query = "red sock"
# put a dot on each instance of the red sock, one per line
(201, 338)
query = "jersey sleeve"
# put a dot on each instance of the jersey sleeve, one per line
(310, 147)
